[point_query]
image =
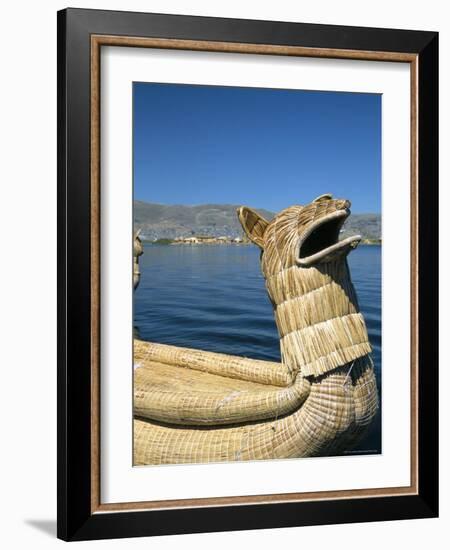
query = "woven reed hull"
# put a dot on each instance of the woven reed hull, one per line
(335, 415)
(230, 366)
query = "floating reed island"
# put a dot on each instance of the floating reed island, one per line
(197, 406)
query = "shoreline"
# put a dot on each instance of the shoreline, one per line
(230, 243)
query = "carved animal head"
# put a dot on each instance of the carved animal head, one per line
(303, 236)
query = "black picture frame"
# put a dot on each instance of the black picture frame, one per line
(76, 518)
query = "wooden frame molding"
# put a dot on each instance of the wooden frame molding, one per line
(97, 41)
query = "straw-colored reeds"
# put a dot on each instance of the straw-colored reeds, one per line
(336, 412)
(230, 366)
(137, 251)
(187, 396)
(195, 406)
(315, 307)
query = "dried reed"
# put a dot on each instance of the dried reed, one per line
(196, 406)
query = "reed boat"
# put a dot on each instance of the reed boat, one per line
(195, 406)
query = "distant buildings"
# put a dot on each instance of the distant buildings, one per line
(206, 239)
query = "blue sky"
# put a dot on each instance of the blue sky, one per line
(259, 147)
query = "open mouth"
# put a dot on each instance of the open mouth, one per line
(321, 240)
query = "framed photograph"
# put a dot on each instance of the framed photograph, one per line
(247, 274)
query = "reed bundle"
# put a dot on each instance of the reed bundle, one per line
(185, 396)
(137, 251)
(231, 366)
(337, 411)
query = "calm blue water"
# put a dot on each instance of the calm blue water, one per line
(213, 298)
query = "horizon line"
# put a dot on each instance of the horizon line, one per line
(234, 204)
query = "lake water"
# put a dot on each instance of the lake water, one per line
(212, 297)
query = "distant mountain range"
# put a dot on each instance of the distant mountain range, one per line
(160, 221)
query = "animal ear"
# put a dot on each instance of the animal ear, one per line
(253, 224)
(326, 197)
